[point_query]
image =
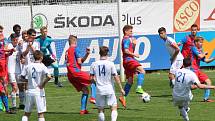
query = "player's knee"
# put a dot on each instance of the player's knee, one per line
(114, 107)
(208, 81)
(40, 115)
(85, 90)
(100, 109)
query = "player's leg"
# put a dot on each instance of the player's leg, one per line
(3, 93)
(22, 94)
(207, 91)
(30, 101)
(111, 100)
(140, 79)
(56, 74)
(183, 113)
(93, 93)
(41, 107)
(84, 98)
(13, 82)
(100, 104)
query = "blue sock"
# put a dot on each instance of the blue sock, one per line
(93, 90)
(84, 101)
(140, 79)
(5, 102)
(127, 88)
(56, 70)
(207, 94)
(1, 106)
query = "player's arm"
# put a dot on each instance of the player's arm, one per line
(177, 50)
(92, 73)
(197, 53)
(208, 60)
(50, 49)
(26, 50)
(24, 73)
(203, 86)
(48, 77)
(78, 56)
(126, 49)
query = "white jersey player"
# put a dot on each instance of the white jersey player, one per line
(14, 68)
(38, 75)
(103, 71)
(175, 55)
(182, 94)
(30, 46)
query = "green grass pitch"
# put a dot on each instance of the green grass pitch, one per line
(63, 104)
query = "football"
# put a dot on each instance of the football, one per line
(145, 97)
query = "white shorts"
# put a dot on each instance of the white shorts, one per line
(181, 103)
(177, 64)
(14, 78)
(40, 102)
(103, 100)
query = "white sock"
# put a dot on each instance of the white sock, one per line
(24, 118)
(101, 116)
(13, 97)
(41, 119)
(184, 114)
(22, 97)
(173, 82)
(114, 115)
(139, 86)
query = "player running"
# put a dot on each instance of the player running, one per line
(79, 79)
(176, 57)
(131, 65)
(182, 94)
(103, 71)
(197, 56)
(38, 75)
(49, 58)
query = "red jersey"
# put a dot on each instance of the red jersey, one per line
(72, 55)
(127, 44)
(188, 42)
(2, 51)
(195, 59)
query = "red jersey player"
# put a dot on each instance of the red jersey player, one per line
(197, 56)
(131, 65)
(79, 79)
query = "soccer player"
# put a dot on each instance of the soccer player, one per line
(103, 71)
(197, 56)
(16, 30)
(131, 65)
(30, 46)
(182, 94)
(49, 58)
(3, 71)
(176, 57)
(14, 69)
(38, 75)
(188, 42)
(79, 79)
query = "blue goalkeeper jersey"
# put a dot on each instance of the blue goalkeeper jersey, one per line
(45, 45)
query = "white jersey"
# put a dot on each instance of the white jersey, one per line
(103, 70)
(14, 60)
(168, 43)
(29, 57)
(36, 73)
(184, 78)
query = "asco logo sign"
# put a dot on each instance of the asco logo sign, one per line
(186, 13)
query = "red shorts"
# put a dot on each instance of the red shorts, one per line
(3, 68)
(202, 76)
(130, 66)
(79, 79)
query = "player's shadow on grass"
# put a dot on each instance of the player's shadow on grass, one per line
(167, 95)
(65, 113)
(121, 108)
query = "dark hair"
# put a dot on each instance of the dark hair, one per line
(161, 29)
(187, 62)
(197, 39)
(37, 55)
(31, 31)
(12, 36)
(103, 50)
(194, 25)
(16, 26)
(1, 27)
(126, 27)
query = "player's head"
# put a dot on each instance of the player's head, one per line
(162, 33)
(199, 42)
(14, 39)
(194, 29)
(44, 31)
(38, 55)
(186, 62)
(31, 35)
(17, 29)
(72, 39)
(24, 35)
(103, 51)
(128, 30)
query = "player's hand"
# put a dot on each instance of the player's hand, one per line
(20, 42)
(179, 44)
(122, 91)
(88, 50)
(54, 57)
(136, 55)
(134, 41)
(40, 86)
